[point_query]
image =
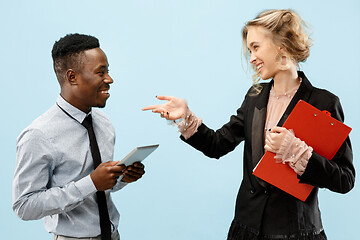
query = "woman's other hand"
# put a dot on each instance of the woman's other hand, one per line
(275, 139)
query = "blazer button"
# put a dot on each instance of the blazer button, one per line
(266, 192)
(252, 191)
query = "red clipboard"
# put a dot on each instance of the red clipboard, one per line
(319, 130)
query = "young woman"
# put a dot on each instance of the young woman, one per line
(275, 42)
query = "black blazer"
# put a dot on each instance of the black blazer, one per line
(263, 208)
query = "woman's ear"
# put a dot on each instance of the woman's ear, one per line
(281, 50)
(283, 59)
(71, 77)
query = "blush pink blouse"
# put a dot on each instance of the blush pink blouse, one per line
(292, 151)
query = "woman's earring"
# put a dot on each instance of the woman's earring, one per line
(284, 63)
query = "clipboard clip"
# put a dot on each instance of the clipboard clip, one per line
(327, 113)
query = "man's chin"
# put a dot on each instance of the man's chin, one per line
(102, 105)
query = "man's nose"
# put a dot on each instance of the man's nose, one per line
(108, 80)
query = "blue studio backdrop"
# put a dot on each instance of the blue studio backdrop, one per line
(187, 48)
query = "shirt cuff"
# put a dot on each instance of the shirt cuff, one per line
(189, 124)
(119, 185)
(294, 152)
(86, 186)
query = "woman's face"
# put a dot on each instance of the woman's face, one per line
(263, 52)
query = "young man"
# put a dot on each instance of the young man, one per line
(65, 169)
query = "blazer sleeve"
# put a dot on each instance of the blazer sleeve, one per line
(216, 144)
(337, 174)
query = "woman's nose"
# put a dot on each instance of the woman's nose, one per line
(252, 58)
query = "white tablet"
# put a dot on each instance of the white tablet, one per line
(138, 154)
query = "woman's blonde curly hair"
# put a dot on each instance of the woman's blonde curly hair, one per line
(287, 30)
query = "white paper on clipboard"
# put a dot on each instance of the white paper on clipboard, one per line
(138, 154)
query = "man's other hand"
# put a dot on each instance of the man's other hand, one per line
(133, 172)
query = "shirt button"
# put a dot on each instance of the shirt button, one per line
(252, 191)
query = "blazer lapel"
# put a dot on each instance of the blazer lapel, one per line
(303, 93)
(257, 129)
(258, 124)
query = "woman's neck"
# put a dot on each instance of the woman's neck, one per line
(286, 80)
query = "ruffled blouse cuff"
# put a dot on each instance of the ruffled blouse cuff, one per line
(294, 152)
(189, 124)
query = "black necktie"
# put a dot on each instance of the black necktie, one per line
(105, 224)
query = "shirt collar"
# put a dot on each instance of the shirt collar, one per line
(74, 112)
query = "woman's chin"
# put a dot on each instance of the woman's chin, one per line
(264, 76)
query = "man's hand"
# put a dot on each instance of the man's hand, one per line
(133, 172)
(106, 174)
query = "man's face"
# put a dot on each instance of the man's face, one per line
(93, 81)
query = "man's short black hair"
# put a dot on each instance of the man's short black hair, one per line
(66, 52)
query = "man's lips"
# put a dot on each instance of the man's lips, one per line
(104, 91)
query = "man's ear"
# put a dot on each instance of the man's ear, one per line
(71, 77)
